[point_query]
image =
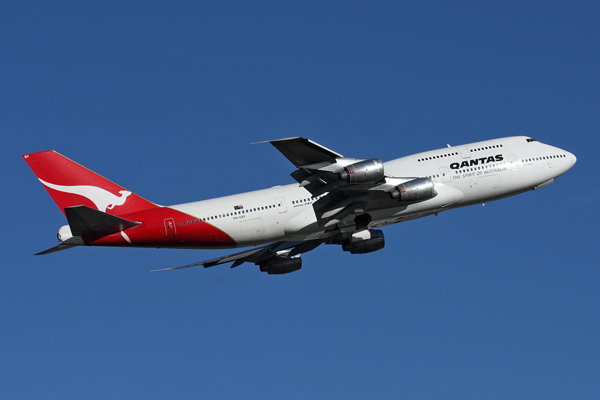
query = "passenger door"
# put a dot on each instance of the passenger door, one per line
(445, 174)
(280, 204)
(170, 227)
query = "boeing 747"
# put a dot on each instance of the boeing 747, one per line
(336, 200)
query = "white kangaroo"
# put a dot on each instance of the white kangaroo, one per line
(103, 199)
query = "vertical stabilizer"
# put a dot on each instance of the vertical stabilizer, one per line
(70, 184)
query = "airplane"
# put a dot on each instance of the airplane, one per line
(336, 200)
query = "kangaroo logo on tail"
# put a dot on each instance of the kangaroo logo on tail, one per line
(103, 199)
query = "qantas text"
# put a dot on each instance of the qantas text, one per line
(477, 161)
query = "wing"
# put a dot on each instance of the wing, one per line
(348, 188)
(259, 255)
(301, 151)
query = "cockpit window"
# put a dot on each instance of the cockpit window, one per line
(531, 140)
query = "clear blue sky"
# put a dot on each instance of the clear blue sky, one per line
(491, 302)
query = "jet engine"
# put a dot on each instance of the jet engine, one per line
(363, 172)
(365, 241)
(281, 265)
(414, 191)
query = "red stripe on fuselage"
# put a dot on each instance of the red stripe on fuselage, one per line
(153, 233)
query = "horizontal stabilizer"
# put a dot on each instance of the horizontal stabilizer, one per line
(85, 221)
(54, 249)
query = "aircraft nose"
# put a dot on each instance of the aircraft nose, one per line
(572, 158)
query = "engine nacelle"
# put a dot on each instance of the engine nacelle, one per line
(414, 191)
(363, 172)
(366, 241)
(281, 265)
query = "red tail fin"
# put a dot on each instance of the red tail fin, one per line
(71, 184)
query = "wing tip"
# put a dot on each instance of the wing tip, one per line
(281, 140)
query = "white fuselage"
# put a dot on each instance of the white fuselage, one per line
(463, 175)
